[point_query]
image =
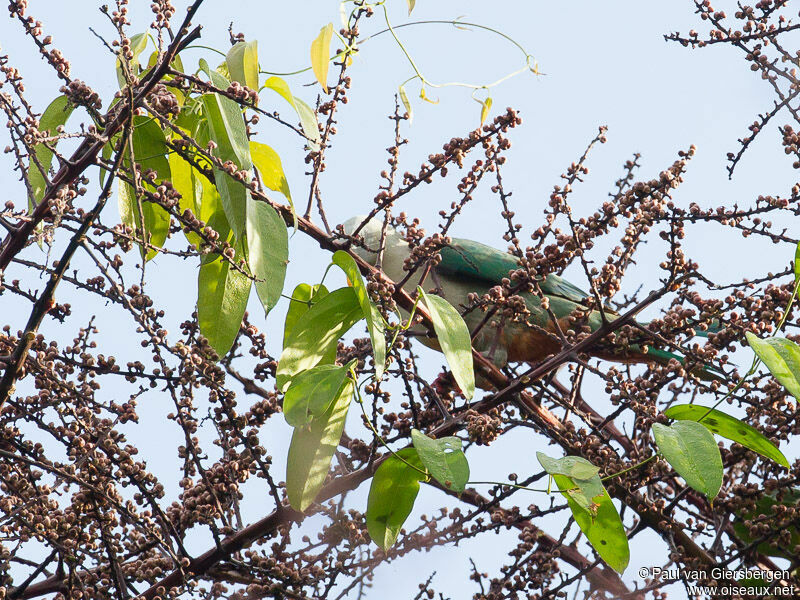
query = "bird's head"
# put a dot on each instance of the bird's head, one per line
(395, 248)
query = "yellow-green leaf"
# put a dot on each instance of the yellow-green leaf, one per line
(54, 116)
(692, 451)
(782, 358)
(320, 54)
(411, 5)
(227, 130)
(242, 60)
(486, 106)
(222, 294)
(267, 251)
(406, 103)
(150, 152)
(138, 44)
(444, 459)
(312, 392)
(316, 333)
(312, 448)
(587, 485)
(270, 170)
(302, 298)
(454, 339)
(728, 427)
(604, 530)
(374, 320)
(392, 493)
(308, 119)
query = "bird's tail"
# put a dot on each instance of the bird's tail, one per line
(705, 372)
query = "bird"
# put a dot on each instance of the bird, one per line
(468, 267)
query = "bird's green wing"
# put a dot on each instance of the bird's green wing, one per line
(472, 260)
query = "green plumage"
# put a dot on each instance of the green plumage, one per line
(468, 267)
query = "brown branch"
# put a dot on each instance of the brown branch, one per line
(91, 147)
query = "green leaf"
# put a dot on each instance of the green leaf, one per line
(406, 103)
(308, 118)
(394, 488)
(267, 251)
(242, 60)
(444, 459)
(189, 187)
(227, 130)
(317, 332)
(270, 170)
(587, 485)
(312, 392)
(53, 117)
(453, 335)
(770, 518)
(374, 320)
(222, 294)
(575, 467)
(150, 152)
(692, 451)
(138, 44)
(279, 85)
(302, 298)
(320, 53)
(782, 358)
(728, 427)
(797, 263)
(604, 530)
(312, 448)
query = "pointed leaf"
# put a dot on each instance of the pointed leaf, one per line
(454, 338)
(392, 493)
(312, 392)
(604, 531)
(486, 106)
(575, 467)
(267, 251)
(444, 459)
(411, 5)
(302, 298)
(308, 119)
(692, 451)
(270, 170)
(406, 103)
(312, 449)
(242, 60)
(138, 44)
(728, 427)
(317, 332)
(150, 152)
(586, 483)
(222, 294)
(190, 188)
(53, 117)
(320, 53)
(374, 320)
(782, 358)
(227, 130)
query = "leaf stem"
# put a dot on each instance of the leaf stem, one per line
(629, 469)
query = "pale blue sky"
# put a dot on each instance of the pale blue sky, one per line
(606, 63)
